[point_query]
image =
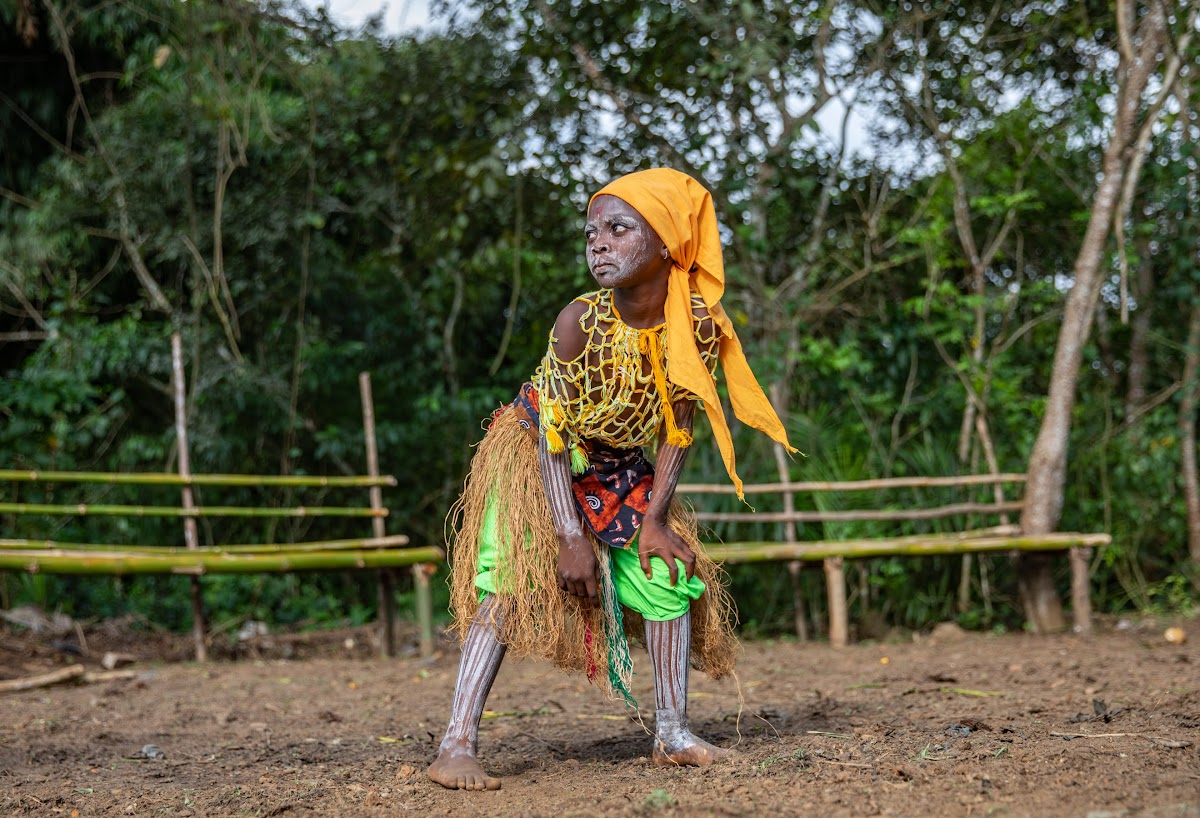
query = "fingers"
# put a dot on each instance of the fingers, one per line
(587, 588)
(689, 563)
(672, 558)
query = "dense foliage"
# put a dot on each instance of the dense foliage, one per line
(305, 203)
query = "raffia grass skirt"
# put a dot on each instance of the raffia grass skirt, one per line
(540, 620)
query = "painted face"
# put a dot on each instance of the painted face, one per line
(623, 250)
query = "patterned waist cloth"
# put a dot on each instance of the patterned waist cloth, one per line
(613, 493)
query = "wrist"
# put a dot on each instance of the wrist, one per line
(572, 536)
(655, 517)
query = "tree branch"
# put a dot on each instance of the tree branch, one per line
(158, 301)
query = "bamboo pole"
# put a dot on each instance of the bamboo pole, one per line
(363, 543)
(909, 539)
(90, 509)
(191, 537)
(387, 600)
(197, 563)
(167, 479)
(932, 513)
(851, 485)
(911, 547)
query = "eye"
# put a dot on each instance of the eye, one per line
(619, 229)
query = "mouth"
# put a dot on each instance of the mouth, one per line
(603, 266)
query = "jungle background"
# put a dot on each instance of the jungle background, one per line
(1004, 277)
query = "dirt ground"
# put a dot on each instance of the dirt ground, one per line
(942, 725)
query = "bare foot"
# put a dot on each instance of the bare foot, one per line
(460, 770)
(691, 752)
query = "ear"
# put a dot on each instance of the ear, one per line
(666, 254)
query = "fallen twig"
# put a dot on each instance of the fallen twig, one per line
(43, 679)
(1171, 744)
(553, 747)
(505, 714)
(109, 675)
(844, 763)
(963, 691)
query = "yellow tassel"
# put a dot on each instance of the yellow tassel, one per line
(554, 441)
(678, 437)
(579, 460)
(650, 345)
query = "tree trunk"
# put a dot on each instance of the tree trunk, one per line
(1048, 460)
(1139, 341)
(1187, 432)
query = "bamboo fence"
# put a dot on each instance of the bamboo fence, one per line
(390, 541)
(915, 546)
(198, 562)
(168, 479)
(99, 510)
(857, 515)
(382, 552)
(853, 485)
(997, 539)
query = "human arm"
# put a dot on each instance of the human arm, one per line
(578, 571)
(655, 537)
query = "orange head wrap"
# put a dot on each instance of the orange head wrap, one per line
(681, 211)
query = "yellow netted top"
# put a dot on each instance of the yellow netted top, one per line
(616, 390)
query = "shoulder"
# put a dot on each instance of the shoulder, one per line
(569, 338)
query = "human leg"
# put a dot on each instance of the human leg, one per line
(456, 766)
(669, 645)
(666, 612)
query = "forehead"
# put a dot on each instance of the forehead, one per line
(607, 206)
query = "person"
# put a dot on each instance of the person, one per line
(566, 538)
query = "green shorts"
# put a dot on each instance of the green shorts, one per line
(655, 598)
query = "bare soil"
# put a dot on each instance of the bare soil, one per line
(943, 725)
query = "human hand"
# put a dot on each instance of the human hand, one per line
(656, 539)
(578, 570)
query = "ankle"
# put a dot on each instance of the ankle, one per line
(456, 745)
(670, 725)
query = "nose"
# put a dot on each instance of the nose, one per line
(599, 246)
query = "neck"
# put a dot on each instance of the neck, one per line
(643, 305)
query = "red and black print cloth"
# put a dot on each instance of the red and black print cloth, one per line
(613, 493)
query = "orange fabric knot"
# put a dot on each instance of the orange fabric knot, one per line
(681, 211)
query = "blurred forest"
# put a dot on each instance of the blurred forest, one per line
(1004, 276)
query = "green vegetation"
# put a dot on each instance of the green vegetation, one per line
(305, 203)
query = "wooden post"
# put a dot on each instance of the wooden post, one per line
(789, 527)
(1081, 598)
(190, 535)
(420, 572)
(387, 600)
(839, 622)
(789, 535)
